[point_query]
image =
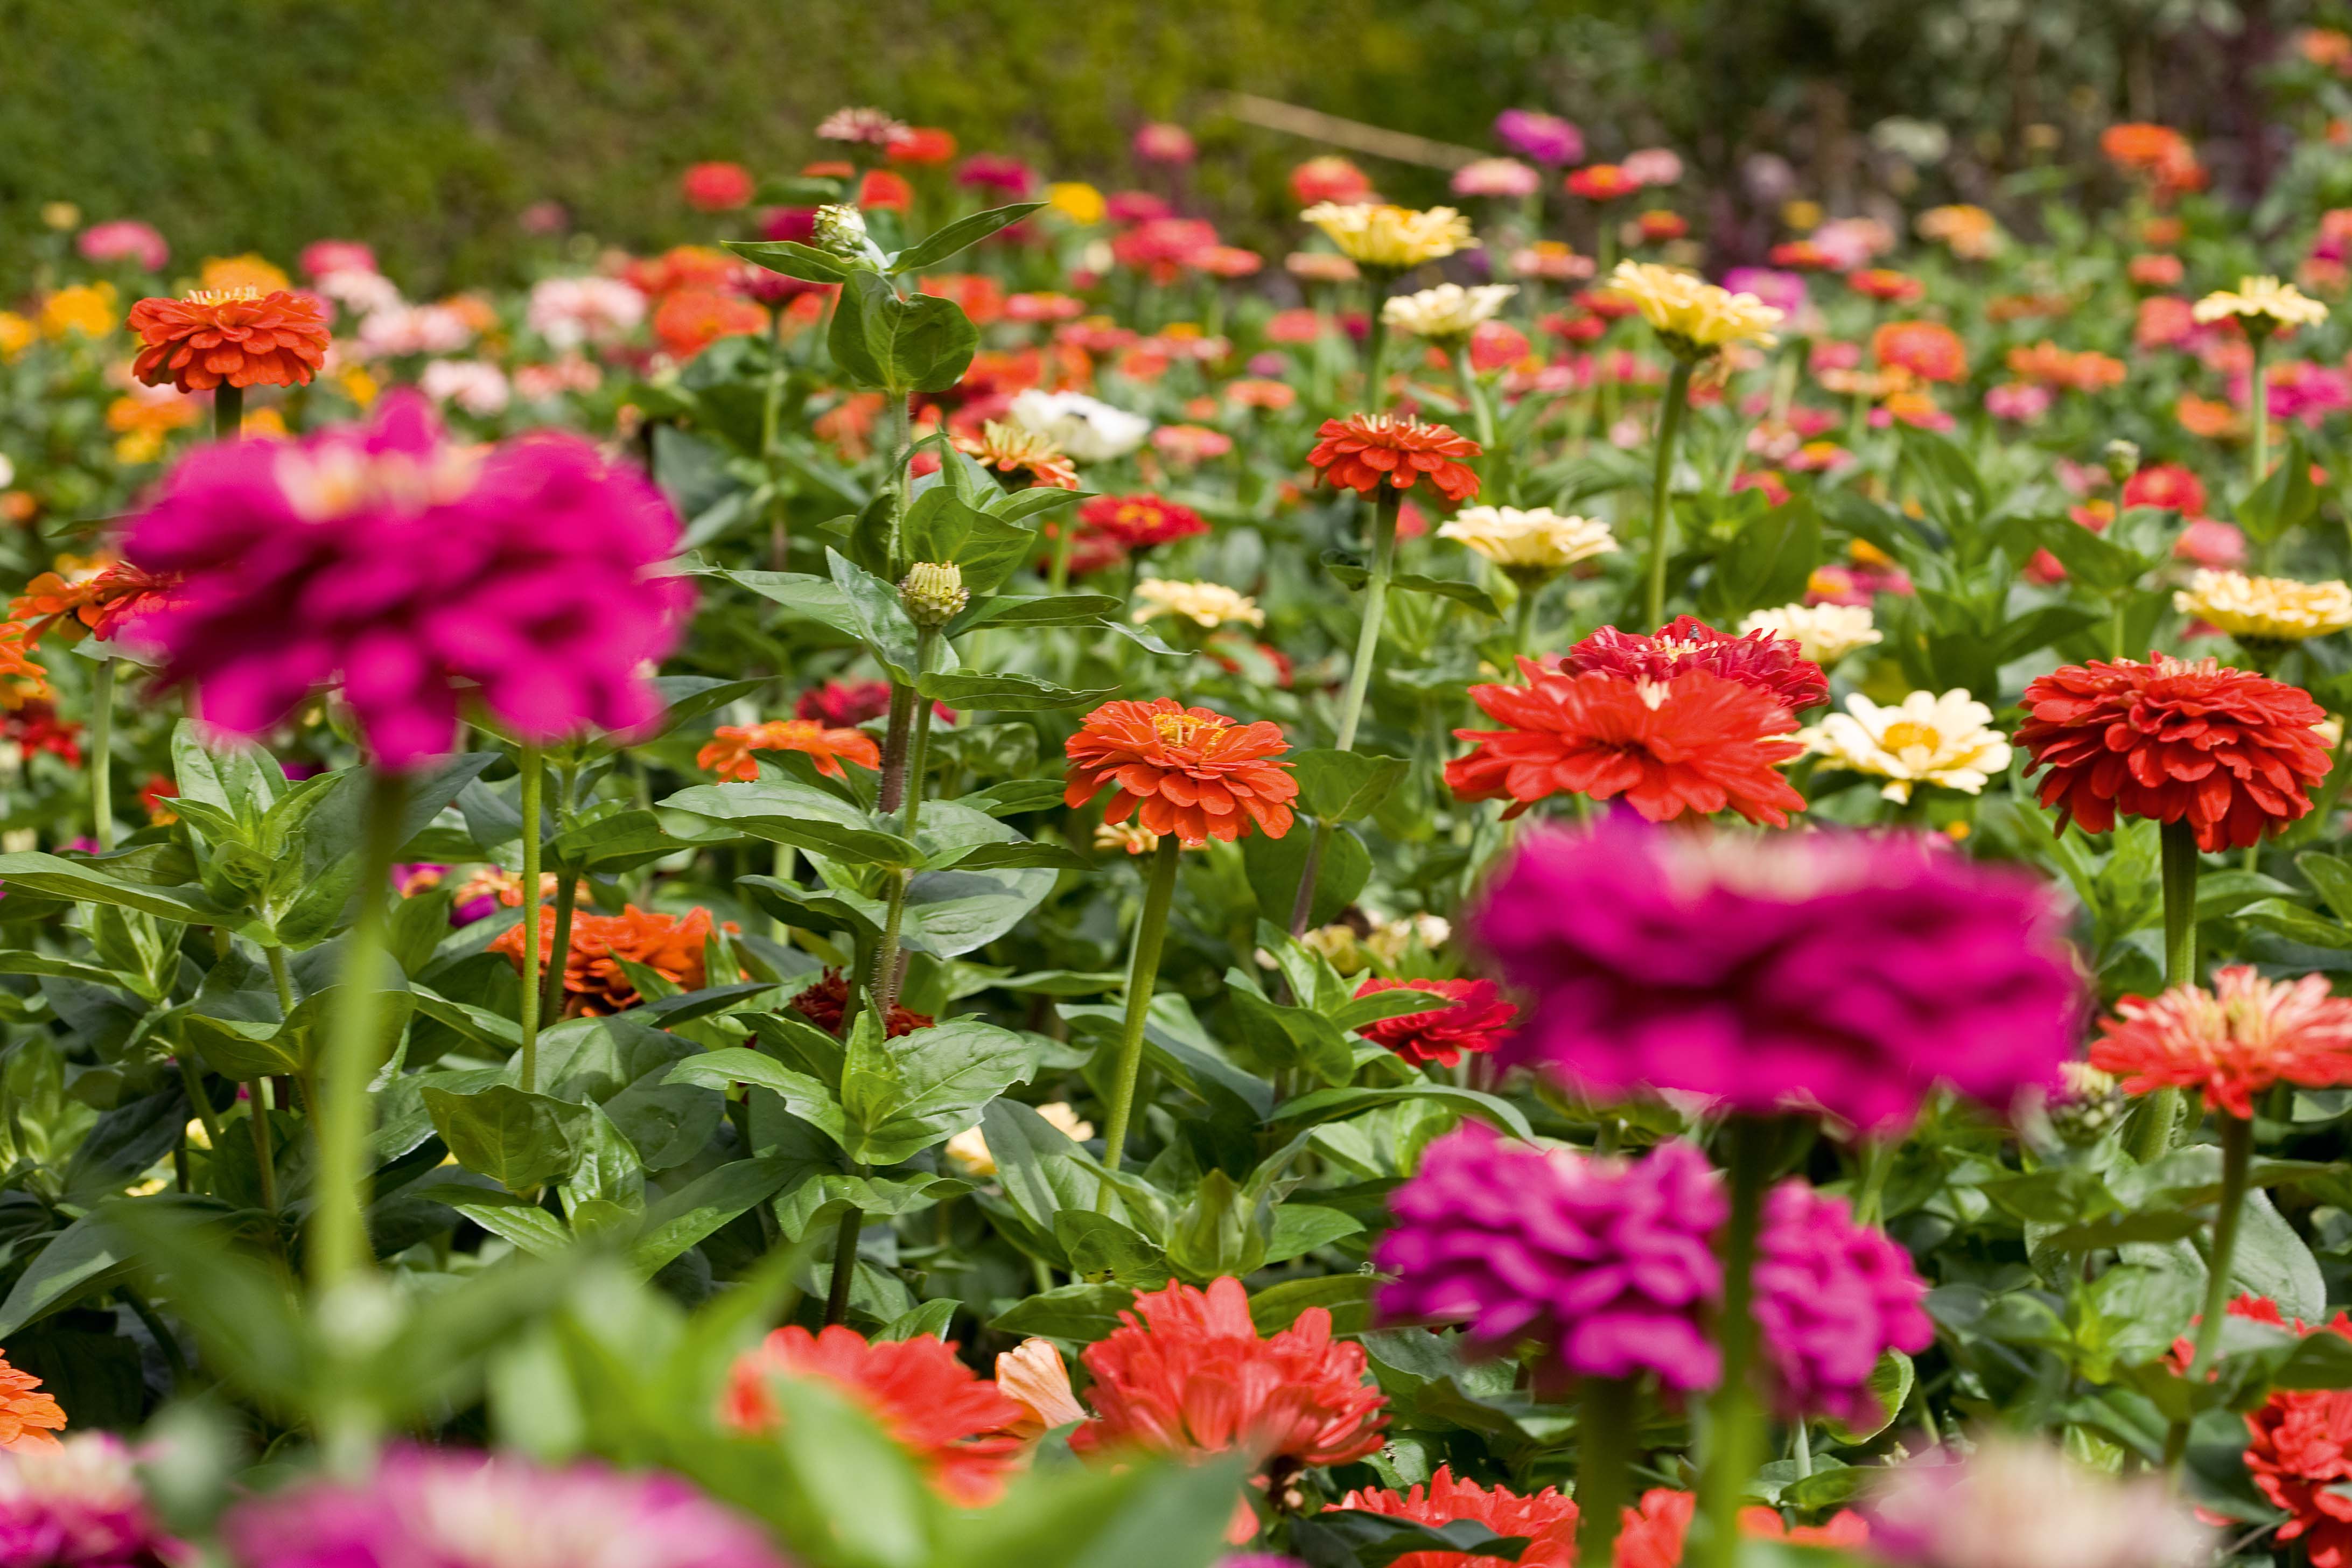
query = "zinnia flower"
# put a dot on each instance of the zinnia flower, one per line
(1087, 428)
(1610, 1262)
(1012, 449)
(1474, 1018)
(953, 1423)
(717, 187)
(839, 704)
(2233, 1042)
(1537, 542)
(2262, 305)
(1184, 770)
(1329, 178)
(1928, 350)
(1391, 238)
(730, 753)
(1203, 603)
(2230, 753)
(1850, 971)
(1141, 521)
(447, 1508)
(1657, 1530)
(826, 1002)
(1832, 1298)
(108, 603)
(2021, 1502)
(1695, 318)
(1755, 657)
(2266, 609)
(1697, 742)
(1447, 312)
(78, 1504)
(237, 337)
(405, 565)
(1506, 179)
(27, 1416)
(1545, 1519)
(1363, 451)
(1926, 738)
(1546, 138)
(124, 239)
(1825, 634)
(1186, 1373)
(864, 127)
(594, 981)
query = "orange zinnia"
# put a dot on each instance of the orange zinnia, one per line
(237, 337)
(594, 981)
(730, 753)
(1009, 449)
(1928, 350)
(1193, 773)
(26, 1416)
(1361, 451)
(101, 602)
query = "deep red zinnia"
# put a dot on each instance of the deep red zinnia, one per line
(1696, 743)
(2231, 752)
(1141, 521)
(1361, 451)
(1184, 770)
(1475, 1018)
(1774, 664)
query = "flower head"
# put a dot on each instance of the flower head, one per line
(1141, 521)
(594, 981)
(1694, 743)
(1208, 605)
(2262, 305)
(1928, 350)
(730, 753)
(78, 1504)
(1832, 1297)
(1329, 178)
(1849, 971)
(717, 187)
(1825, 634)
(1389, 236)
(1446, 312)
(2021, 1502)
(1536, 540)
(864, 128)
(1016, 449)
(1546, 138)
(2233, 1042)
(1505, 178)
(235, 337)
(826, 1003)
(1364, 451)
(447, 1508)
(404, 566)
(108, 601)
(29, 1419)
(2233, 753)
(1184, 770)
(1088, 429)
(1695, 318)
(1608, 1262)
(1474, 1017)
(2266, 609)
(1186, 1373)
(124, 239)
(1546, 1518)
(953, 1423)
(1926, 738)
(1758, 657)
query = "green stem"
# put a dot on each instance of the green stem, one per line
(911, 767)
(2259, 379)
(2152, 1137)
(1732, 1415)
(339, 1245)
(1801, 1440)
(2237, 1156)
(1604, 1465)
(1376, 338)
(1065, 533)
(526, 1060)
(228, 411)
(102, 754)
(844, 1265)
(1360, 680)
(192, 1082)
(1877, 1161)
(1523, 615)
(902, 449)
(1142, 973)
(1670, 424)
(551, 985)
(1482, 416)
(265, 1159)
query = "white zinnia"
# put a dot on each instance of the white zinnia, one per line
(1088, 429)
(1448, 310)
(1538, 539)
(570, 312)
(1209, 605)
(1927, 739)
(1827, 633)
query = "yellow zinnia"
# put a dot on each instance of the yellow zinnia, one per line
(2267, 609)
(1394, 237)
(1077, 201)
(1538, 540)
(84, 308)
(1209, 605)
(16, 335)
(1694, 316)
(2264, 303)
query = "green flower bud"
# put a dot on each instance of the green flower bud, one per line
(2088, 1108)
(2123, 459)
(841, 230)
(932, 593)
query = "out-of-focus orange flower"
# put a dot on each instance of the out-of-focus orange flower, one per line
(2210, 418)
(2153, 269)
(1659, 225)
(594, 981)
(2026, 307)
(979, 297)
(1189, 443)
(2326, 47)
(27, 1416)
(682, 266)
(84, 308)
(1928, 350)
(1254, 392)
(1186, 771)
(104, 600)
(29, 682)
(689, 320)
(2049, 365)
(1601, 182)
(226, 274)
(883, 190)
(923, 145)
(151, 796)
(237, 337)
(731, 753)
(1885, 284)
(1010, 449)
(848, 426)
(2164, 321)
(717, 187)
(141, 423)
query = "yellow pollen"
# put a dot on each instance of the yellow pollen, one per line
(1184, 730)
(221, 296)
(1904, 733)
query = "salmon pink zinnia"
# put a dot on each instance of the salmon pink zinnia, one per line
(1546, 1518)
(2233, 1042)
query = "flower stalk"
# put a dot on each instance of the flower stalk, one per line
(527, 1058)
(339, 1245)
(1143, 974)
(1604, 1465)
(1732, 1441)
(2237, 1160)
(1662, 514)
(102, 754)
(2152, 1136)
(228, 411)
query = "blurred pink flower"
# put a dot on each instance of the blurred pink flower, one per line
(124, 239)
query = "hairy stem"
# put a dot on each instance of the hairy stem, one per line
(1142, 973)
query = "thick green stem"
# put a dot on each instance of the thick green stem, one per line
(1604, 1465)
(228, 411)
(845, 1266)
(339, 1246)
(1376, 338)
(1482, 416)
(1523, 615)
(102, 754)
(1142, 973)
(551, 985)
(2152, 1137)
(902, 450)
(527, 1060)
(1065, 534)
(1732, 1417)
(1360, 680)
(912, 766)
(1662, 510)
(2259, 380)
(2237, 1157)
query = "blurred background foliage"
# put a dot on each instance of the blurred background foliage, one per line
(426, 126)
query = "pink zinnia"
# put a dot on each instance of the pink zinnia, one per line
(2230, 1042)
(409, 569)
(1546, 138)
(321, 256)
(124, 239)
(1832, 1298)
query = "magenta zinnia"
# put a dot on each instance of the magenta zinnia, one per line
(414, 572)
(1832, 1298)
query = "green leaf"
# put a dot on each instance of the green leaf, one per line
(920, 343)
(1343, 786)
(87, 882)
(930, 1320)
(1273, 866)
(1766, 563)
(881, 620)
(2331, 878)
(949, 238)
(87, 1256)
(2296, 924)
(785, 811)
(2286, 499)
(793, 259)
(999, 857)
(1325, 1104)
(1348, 1538)
(1347, 1297)
(803, 1096)
(1160, 1513)
(1041, 610)
(1890, 1385)
(814, 598)
(1083, 1313)
(517, 1140)
(686, 1217)
(940, 526)
(1300, 1228)
(1289, 1037)
(1007, 691)
(903, 1095)
(611, 836)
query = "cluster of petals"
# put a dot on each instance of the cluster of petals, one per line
(594, 981)
(2266, 609)
(2230, 1042)
(1391, 237)
(28, 1417)
(2265, 303)
(2019, 1502)
(1947, 740)
(1832, 1298)
(2231, 752)
(1364, 451)
(953, 1422)
(1850, 972)
(415, 572)
(1546, 1519)
(1694, 316)
(733, 748)
(1695, 743)
(1536, 539)
(1759, 657)
(1141, 521)
(107, 603)
(1824, 634)
(78, 1504)
(824, 1002)
(1475, 1018)
(1447, 312)
(1928, 350)
(1186, 771)
(1186, 1373)
(234, 337)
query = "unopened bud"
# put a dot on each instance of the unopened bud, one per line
(2088, 1107)
(841, 230)
(2123, 459)
(932, 593)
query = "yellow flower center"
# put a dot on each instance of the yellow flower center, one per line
(222, 296)
(1185, 730)
(1905, 733)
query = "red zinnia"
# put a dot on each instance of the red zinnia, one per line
(1362, 450)
(1546, 1518)
(826, 1003)
(839, 704)
(1885, 284)
(952, 1422)
(731, 753)
(2167, 485)
(1655, 1533)
(238, 336)
(1475, 1018)
(1194, 774)
(1139, 522)
(1186, 1373)
(1758, 659)
(716, 187)
(2231, 1042)
(1696, 744)
(2299, 1447)
(2233, 753)
(1600, 181)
